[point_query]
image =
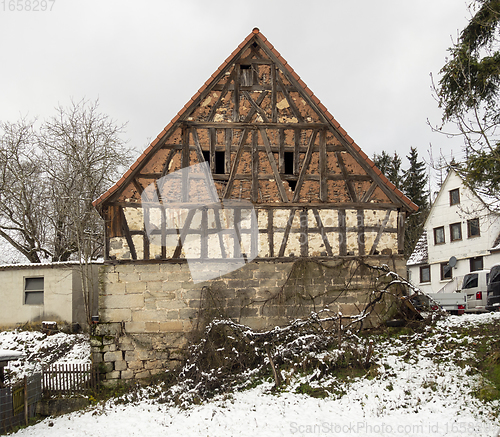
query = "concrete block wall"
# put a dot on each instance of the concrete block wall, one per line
(149, 312)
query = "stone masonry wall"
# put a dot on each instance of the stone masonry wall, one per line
(148, 312)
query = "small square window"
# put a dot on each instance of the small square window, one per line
(455, 196)
(33, 291)
(476, 263)
(473, 228)
(455, 231)
(446, 271)
(439, 235)
(425, 274)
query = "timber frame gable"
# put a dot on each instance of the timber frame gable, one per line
(268, 140)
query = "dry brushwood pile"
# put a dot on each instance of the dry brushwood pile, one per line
(231, 355)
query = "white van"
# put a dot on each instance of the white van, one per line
(475, 285)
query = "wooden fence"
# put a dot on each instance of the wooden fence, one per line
(69, 379)
(18, 403)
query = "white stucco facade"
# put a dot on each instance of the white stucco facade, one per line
(44, 292)
(459, 225)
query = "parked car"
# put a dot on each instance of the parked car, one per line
(493, 300)
(475, 286)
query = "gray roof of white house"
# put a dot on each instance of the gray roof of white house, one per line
(420, 254)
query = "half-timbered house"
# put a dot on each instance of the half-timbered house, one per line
(288, 184)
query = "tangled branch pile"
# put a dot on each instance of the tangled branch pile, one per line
(230, 354)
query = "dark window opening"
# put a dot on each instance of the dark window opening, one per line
(206, 156)
(246, 75)
(220, 162)
(454, 197)
(455, 231)
(288, 158)
(33, 291)
(446, 271)
(473, 228)
(476, 263)
(425, 274)
(439, 235)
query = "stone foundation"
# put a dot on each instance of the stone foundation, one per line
(148, 312)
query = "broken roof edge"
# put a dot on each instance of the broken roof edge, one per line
(405, 201)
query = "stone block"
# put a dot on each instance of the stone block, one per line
(129, 277)
(110, 278)
(125, 268)
(135, 287)
(127, 301)
(120, 365)
(171, 285)
(106, 367)
(109, 348)
(114, 288)
(113, 356)
(154, 287)
(172, 326)
(106, 340)
(149, 365)
(142, 375)
(97, 358)
(126, 347)
(175, 304)
(188, 313)
(153, 276)
(115, 374)
(135, 365)
(127, 374)
(108, 329)
(154, 267)
(149, 316)
(130, 356)
(152, 326)
(95, 342)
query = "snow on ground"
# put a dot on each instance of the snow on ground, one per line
(41, 349)
(416, 389)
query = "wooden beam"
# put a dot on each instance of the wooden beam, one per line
(342, 232)
(167, 162)
(305, 166)
(290, 101)
(287, 232)
(236, 95)
(322, 232)
(234, 167)
(380, 232)
(223, 93)
(128, 237)
(369, 192)
(255, 168)
(274, 94)
(270, 156)
(345, 175)
(185, 229)
(256, 107)
(247, 124)
(361, 231)
(323, 187)
(304, 237)
(228, 137)
(401, 231)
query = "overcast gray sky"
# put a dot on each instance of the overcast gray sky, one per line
(369, 62)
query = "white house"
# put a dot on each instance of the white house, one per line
(459, 225)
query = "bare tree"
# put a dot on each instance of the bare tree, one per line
(23, 191)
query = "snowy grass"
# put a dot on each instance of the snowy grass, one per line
(421, 383)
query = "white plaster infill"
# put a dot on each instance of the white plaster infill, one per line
(186, 200)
